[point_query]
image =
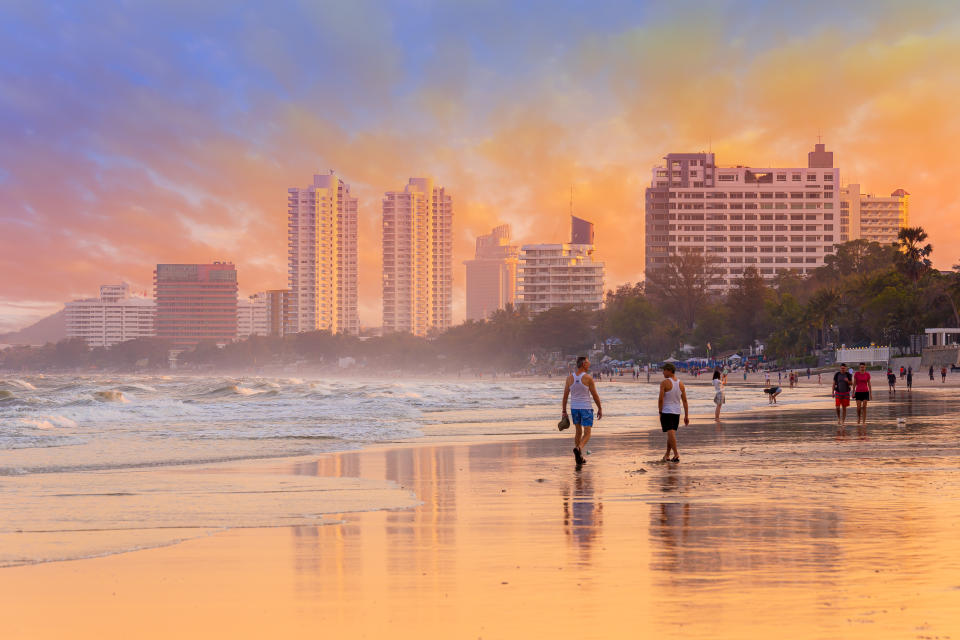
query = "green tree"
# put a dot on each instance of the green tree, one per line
(914, 255)
(682, 286)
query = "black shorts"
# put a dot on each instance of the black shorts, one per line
(861, 395)
(669, 421)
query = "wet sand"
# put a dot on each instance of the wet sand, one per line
(774, 524)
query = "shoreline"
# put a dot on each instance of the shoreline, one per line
(758, 519)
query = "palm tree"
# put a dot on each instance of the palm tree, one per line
(914, 258)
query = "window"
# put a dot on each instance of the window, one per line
(781, 177)
(828, 177)
(811, 177)
(726, 177)
(795, 177)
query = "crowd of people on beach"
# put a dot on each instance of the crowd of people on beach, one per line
(580, 391)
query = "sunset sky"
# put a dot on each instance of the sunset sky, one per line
(143, 132)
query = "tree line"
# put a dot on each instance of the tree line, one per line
(864, 293)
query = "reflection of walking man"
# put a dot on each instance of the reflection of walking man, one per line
(579, 388)
(673, 398)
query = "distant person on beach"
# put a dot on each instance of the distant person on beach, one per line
(910, 379)
(766, 378)
(892, 381)
(808, 373)
(931, 372)
(673, 398)
(862, 392)
(772, 393)
(717, 393)
(903, 372)
(943, 375)
(842, 382)
(580, 388)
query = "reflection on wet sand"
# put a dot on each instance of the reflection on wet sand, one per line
(770, 527)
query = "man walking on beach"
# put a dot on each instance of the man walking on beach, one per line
(579, 388)
(673, 397)
(862, 392)
(842, 381)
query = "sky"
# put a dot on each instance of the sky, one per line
(138, 132)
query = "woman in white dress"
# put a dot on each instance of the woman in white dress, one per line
(717, 393)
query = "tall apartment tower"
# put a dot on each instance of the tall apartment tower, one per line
(492, 274)
(417, 258)
(114, 317)
(322, 252)
(196, 302)
(556, 275)
(870, 217)
(774, 219)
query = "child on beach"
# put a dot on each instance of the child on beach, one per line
(673, 398)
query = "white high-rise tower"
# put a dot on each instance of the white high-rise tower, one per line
(417, 259)
(322, 250)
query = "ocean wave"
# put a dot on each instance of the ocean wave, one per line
(20, 385)
(136, 387)
(110, 396)
(6, 395)
(45, 422)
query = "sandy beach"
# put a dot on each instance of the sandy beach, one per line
(773, 524)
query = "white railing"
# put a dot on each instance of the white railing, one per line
(863, 354)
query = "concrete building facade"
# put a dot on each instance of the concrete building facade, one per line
(492, 274)
(322, 257)
(555, 275)
(262, 314)
(772, 218)
(114, 317)
(417, 228)
(196, 302)
(875, 218)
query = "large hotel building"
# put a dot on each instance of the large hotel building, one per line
(772, 218)
(417, 259)
(556, 275)
(196, 302)
(322, 254)
(114, 317)
(492, 274)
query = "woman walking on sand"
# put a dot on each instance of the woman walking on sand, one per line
(862, 392)
(717, 394)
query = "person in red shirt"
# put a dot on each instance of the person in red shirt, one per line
(862, 392)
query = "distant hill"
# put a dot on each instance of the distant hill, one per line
(53, 328)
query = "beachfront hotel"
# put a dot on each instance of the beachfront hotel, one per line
(492, 274)
(114, 317)
(773, 218)
(417, 259)
(322, 257)
(556, 275)
(196, 302)
(870, 217)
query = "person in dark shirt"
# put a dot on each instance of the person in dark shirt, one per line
(842, 382)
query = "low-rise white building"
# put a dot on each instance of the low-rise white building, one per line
(114, 317)
(555, 275)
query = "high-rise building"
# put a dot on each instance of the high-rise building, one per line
(196, 302)
(870, 217)
(492, 274)
(262, 314)
(556, 275)
(774, 219)
(322, 252)
(114, 317)
(417, 258)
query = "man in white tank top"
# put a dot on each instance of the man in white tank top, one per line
(580, 389)
(673, 398)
